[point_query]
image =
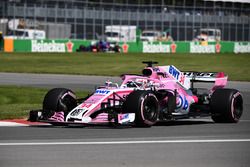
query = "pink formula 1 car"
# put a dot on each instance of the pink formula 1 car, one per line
(161, 93)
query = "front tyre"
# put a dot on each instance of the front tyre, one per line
(58, 99)
(145, 106)
(226, 106)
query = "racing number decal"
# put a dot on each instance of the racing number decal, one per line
(81, 110)
(182, 103)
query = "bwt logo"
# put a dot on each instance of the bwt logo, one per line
(174, 72)
(102, 91)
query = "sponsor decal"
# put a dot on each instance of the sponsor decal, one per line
(41, 46)
(155, 48)
(197, 48)
(200, 74)
(124, 116)
(51, 46)
(241, 47)
(102, 91)
(179, 76)
(174, 72)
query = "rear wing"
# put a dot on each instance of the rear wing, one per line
(204, 76)
(218, 78)
(187, 78)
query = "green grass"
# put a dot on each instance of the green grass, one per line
(237, 66)
(16, 102)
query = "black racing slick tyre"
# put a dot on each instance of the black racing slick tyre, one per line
(145, 106)
(58, 99)
(226, 106)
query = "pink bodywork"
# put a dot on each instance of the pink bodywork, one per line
(166, 78)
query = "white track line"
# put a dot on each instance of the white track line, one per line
(126, 142)
(244, 120)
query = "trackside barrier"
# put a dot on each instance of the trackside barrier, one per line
(18, 45)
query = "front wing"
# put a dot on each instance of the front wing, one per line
(103, 119)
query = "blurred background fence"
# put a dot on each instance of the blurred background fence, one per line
(86, 19)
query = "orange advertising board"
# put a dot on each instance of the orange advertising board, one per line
(8, 45)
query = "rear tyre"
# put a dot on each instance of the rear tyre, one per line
(58, 99)
(226, 106)
(145, 106)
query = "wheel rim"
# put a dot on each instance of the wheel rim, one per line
(69, 102)
(237, 107)
(150, 109)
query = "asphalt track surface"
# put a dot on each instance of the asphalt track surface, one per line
(189, 143)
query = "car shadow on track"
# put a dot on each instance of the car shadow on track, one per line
(83, 126)
(166, 123)
(183, 122)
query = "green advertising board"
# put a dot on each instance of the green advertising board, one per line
(48, 45)
(134, 47)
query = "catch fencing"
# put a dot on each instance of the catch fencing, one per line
(87, 19)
